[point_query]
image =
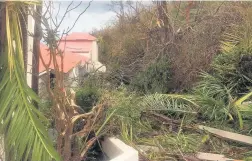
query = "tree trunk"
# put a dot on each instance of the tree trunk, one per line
(23, 23)
(36, 48)
(2, 26)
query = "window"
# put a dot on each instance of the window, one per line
(52, 79)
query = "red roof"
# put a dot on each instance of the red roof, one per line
(70, 60)
(72, 45)
(78, 36)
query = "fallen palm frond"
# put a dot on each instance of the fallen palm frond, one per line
(25, 136)
(216, 99)
(171, 145)
(170, 102)
(165, 124)
(211, 99)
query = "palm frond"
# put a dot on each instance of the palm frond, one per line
(229, 42)
(25, 136)
(238, 35)
(239, 102)
(213, 109)
(170, 102)
(214, 97)
(212, 86)
(240, 108)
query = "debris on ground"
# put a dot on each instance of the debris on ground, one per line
(228, 135)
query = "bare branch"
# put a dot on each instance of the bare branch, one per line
(58, 13)
(218, 8)
(64, 14)
(79, 16)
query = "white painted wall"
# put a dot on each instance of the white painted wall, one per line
(71, 78)
(30, 28)
(96, 66)
(117, 150)
(94, 52)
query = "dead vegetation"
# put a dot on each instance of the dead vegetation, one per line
(207, 45)
(188, 33)
(161, 131)
(160, 126)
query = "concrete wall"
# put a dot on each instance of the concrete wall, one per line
(71, 79)
(30, 27)
(94, 52)
(96, 66)
(117, 150)
(75, 75)
(42, 92)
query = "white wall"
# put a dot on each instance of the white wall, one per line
(30, 27)
(94, 64)
(71, 78)
(117, 150)
(94, 52)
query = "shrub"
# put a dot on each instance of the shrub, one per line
(87, 97)
(155, 79)
(126, 112)
(234, 70)
(214, 98)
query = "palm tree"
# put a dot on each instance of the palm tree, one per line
(22, 123)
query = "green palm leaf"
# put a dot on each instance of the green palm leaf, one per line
(170, 102)
(24, 134)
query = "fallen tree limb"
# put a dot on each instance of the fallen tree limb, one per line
(160, 118)
(228, 135)
(164, 120)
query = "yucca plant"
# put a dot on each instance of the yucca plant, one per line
(21, 122)
(210, 98)
(214, 97)
(230, 80)
(233, 64)
(219, 101)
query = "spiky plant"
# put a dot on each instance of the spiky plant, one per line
(214, 97)
(210, 98)
(21, 122)
(170, 102)
(233, 64)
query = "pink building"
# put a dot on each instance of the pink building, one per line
(80, 56)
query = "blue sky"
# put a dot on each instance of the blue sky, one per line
(97, 15)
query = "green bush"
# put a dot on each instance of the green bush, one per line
(155, 79)
(234, 70)
(124, 105)
(87, 97)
